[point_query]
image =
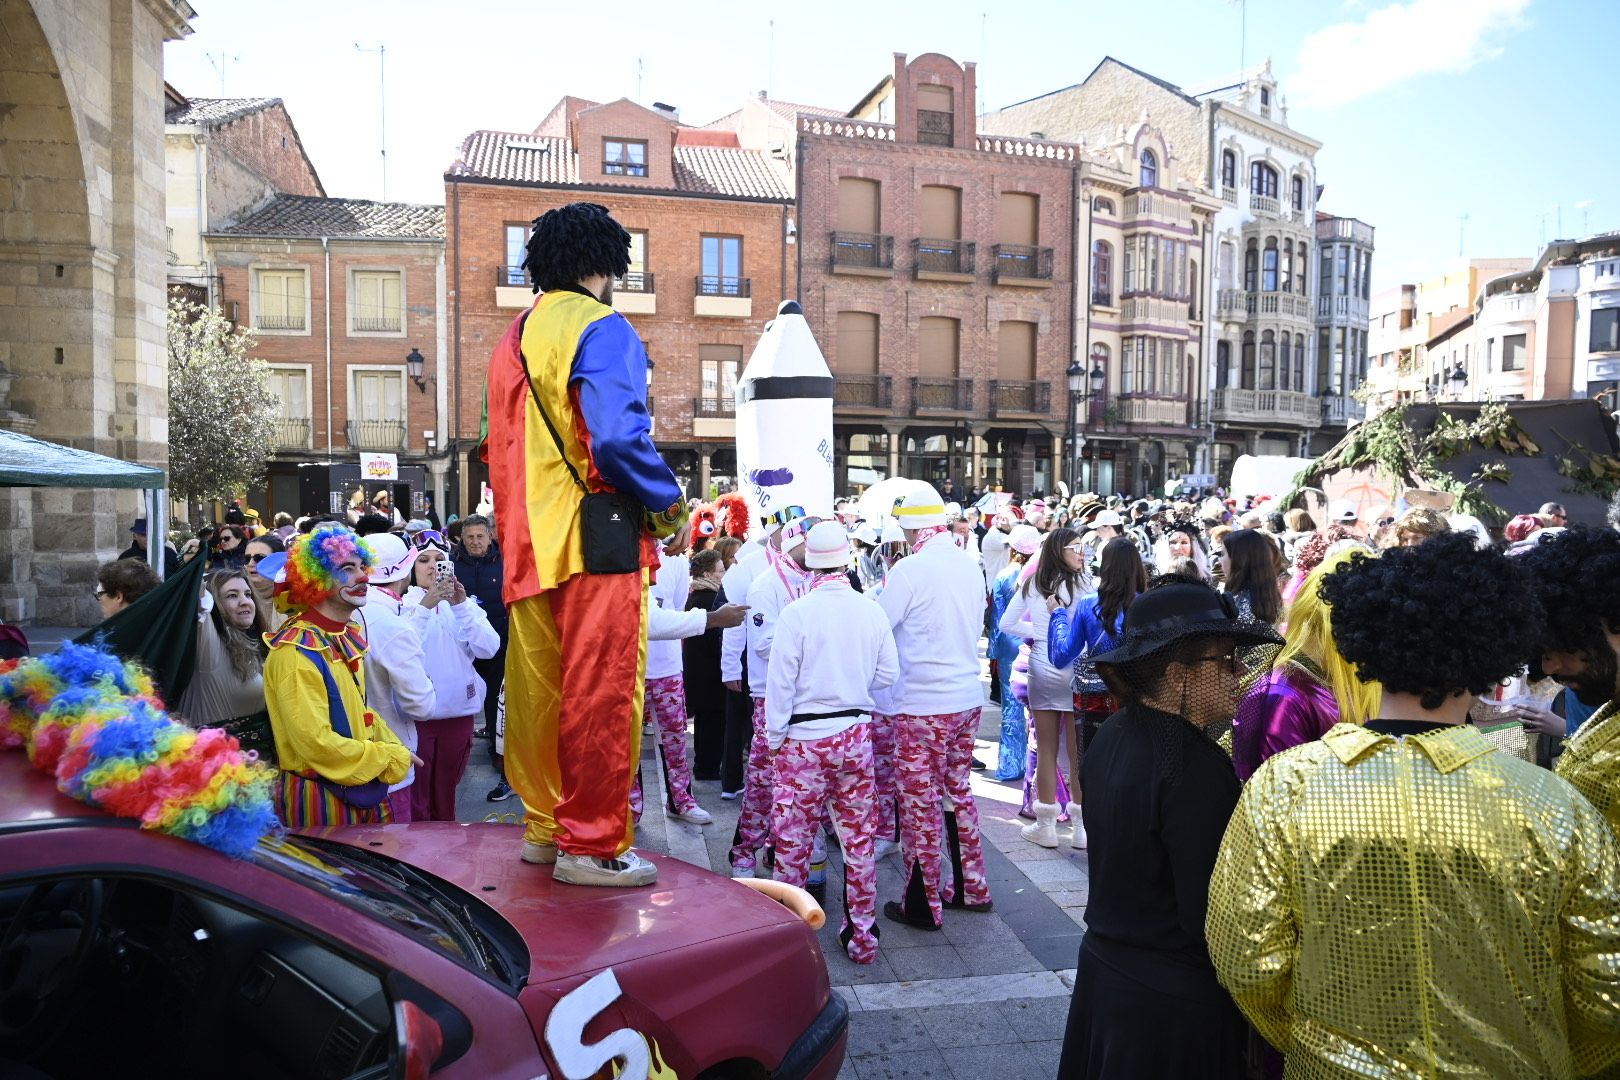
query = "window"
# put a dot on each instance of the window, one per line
(1287, 283)
(282, 298)
(718, 366)
(857, 343)
(1150, 169)
(1605, 334)
(1300, 268)
(1100, 205)
(936, 116)
(1228, 169)
(1228, 266)
(1335, 384)
(376, 408)
(291, 387)
(941, 217)
(1128, 285)
(1299, 193)
(1262, 180)
(1102, 271)
(517, 251)
(722, 267)
(636, 279)
(624, 157)
(1324, 357)
(1152, 263)
(1268, 275)
(1248, 360)
(1366, 276)
(1268, 361)
(1324, 282)
(1299, 362)
(1015, 356)
(1265, 98)
(859, 205)
(1223, 364)
(1341, 280)
(377, 307)
(1513, 352)
(1020, 218)
(1490, 354)
(1194, 288)
(1251, 267)
(939, 343)
(1283, 370)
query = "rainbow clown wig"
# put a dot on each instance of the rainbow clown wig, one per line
(312, 562)
(93, 723)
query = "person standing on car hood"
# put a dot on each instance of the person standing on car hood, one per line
(566, 414)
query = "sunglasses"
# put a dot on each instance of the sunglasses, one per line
(100, 592)
(255, 558)
(1077, 547)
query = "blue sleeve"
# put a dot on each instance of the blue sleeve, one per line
(610, 374)
(1063, 638)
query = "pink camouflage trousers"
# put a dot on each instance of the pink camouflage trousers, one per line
(666, 709)
(812, 778)
(935, 761)
(886, 823)
(754, 820)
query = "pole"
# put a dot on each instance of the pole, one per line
(382, 107)
(1074, 435)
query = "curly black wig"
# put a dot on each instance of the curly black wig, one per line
(1576, 577)
(574, 242)
(1435, 619)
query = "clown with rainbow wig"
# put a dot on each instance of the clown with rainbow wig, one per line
(337, 756)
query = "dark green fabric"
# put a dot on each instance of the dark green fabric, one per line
(159, 630)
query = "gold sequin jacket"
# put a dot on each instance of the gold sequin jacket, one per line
(1591, 762)
(1422, 906)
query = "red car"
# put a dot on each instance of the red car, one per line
(387, 951)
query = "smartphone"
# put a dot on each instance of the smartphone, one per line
(443, 570)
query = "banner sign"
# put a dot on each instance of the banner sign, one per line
(379, 466)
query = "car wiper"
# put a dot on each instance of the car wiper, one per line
(489, 954)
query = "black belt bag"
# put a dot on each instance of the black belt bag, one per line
(609, 521)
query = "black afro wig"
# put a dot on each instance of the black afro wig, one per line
(1576, 577)
(1435, 619)
(574, 242)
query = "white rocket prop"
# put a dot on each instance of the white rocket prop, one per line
(784, 420)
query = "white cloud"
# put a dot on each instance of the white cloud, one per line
(1350, 60)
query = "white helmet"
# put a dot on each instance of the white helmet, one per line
(920, 508)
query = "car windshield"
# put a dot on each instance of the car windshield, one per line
(407, 898)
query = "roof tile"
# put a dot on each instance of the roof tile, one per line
(216, 112)
(310, 216)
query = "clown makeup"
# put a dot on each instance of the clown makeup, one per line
(351, 576)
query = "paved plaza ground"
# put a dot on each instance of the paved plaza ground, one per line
(986, 996)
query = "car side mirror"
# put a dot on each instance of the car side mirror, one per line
(418, 1042)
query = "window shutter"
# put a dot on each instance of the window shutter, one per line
(1016, 358)
(941, 217)
(858, 207)
(934, 98)
(938, 342)
(1020, 215)
(857, 343)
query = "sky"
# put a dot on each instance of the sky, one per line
(1476, 126)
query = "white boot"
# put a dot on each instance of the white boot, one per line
(1044, 830)
(1079, 824)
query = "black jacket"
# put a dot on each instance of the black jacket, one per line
(701, 658)
(171, 558)
(483, 577)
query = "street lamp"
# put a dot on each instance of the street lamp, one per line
(1083, 386)
(414, 362)
(1459, 379)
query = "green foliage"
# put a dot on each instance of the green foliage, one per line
(221, 409)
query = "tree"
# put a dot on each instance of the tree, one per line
(221, 408)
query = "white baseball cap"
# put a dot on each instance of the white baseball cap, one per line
(826, 546)
(1107, 517)
(393, 556)
(1342, 512)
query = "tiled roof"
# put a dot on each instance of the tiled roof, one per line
(699, 170)
(215, 112)
(310, 216)
(785, 109)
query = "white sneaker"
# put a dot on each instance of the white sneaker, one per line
(1044, 829)
(542, 854)
(743, 871)
(730, 795)
(695, 816)
(884, 848)
(1079, 838)
(627, 871)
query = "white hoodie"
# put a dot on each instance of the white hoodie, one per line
(453, 636)
(397, 683)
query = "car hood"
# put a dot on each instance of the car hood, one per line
(572, 928)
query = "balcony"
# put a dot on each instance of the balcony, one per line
(942, 260)
(1133, 409)
(379, 324)
(1232, 305)
(1279, 305)
(635, 294)
(1350, 309)
(873, 393)
(512, 287)
(287, 433)
(935, 395)
(1153, 310)
(381, 435)
(1014, 397)
(1265, 205)
(1229, 196)
(1285, 408)
(1020, 264)
(714, 418)
(1345, 229)
(1342, 411)
(278, 322)
(723, 297)
(861, 254)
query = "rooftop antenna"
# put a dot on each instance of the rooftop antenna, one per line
(638, 80)
(984, 23)
(1243, 38)
(1462, 232)
(219, 61)
(382, 108)
(1585, 207)
(770, 62)
(1542, 218)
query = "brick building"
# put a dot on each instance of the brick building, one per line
(343, 296)
(937, 268)
(712, 259)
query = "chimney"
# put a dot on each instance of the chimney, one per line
(670, 111)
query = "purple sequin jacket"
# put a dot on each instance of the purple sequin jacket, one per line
(1285, 708)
